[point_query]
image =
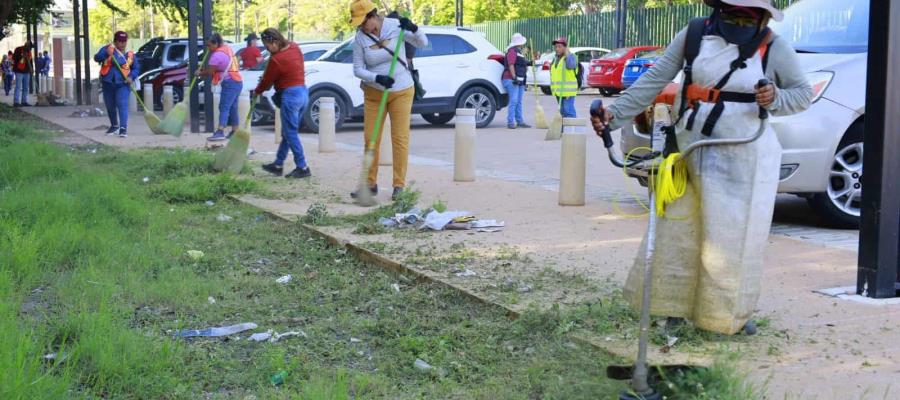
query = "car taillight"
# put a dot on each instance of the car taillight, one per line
(819, 82)
(496, 57)
(648, 65)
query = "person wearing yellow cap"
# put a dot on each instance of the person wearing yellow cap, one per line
(373, 51)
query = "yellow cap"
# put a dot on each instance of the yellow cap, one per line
(358, 11)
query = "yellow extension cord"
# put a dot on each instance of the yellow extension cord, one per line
(669, 183)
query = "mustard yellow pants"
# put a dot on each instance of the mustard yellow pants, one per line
(399, 107)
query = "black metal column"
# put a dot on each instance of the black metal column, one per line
(621, 20)
(35, 82)
(86, 48)
(207, 85)
(193, 99)
(76, 22)
(879, 235)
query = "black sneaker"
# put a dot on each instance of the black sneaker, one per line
(373, 189)
(123, 132)
(396, 193)
(16, 105)
(112, 131)
(523, 125)
(25, 104)
(273, 169)
(298, 173)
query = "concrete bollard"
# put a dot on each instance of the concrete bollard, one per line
(148, 97)
(217, 99)
(168, 99)
(244, 108)
(70, 89)
(385, 149)
(572, 165)
(464, 146)
(278, 136)
(326, 125)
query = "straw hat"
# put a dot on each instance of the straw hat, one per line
(358, 11)
(517, 40)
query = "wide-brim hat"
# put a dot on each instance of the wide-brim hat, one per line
(517, 40)
(763, 4)
(358, 11)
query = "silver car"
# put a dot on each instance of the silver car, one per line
(823, 146)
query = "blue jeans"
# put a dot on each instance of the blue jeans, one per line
(515, 112)
(293, 103)
(7, 83)
(228, 104)
(567, 107)
(115, 96)
(21, 94)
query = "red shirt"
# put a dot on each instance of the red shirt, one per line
(249, 56)
(285, 69)
(511, 57)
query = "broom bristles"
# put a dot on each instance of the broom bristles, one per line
(173, 124)
(554, 132)
(153, 122)
(363, 194)
(540, 119)
(232, 157)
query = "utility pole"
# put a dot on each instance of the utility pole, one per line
(621, 20)
(76, 21)
(879, 233)
(86, 48)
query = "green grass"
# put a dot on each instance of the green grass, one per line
(93, 269)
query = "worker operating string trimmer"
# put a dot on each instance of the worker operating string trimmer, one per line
(707, 263)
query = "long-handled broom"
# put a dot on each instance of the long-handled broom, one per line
(363, 194)
(540, 119)
(554, 131)
(232, 157)
(151, 118)
(173, 123)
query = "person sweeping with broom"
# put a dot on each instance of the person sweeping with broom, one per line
(118, 69)
(708, 259)
(376, 52)
(285, 71)
(223, 68)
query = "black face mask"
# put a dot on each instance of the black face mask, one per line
(731, 32)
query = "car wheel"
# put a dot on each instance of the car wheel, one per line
(482, 101)
(840, 204)
(438, 119)
(546, 90)
(257, 118)
(177, 94)
(311, 116)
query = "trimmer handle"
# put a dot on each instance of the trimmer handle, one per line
(598, 111)
(763, 113)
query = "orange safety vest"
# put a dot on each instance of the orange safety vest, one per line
(126, 68)
(233, 72)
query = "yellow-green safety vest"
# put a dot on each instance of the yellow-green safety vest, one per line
(563, 82)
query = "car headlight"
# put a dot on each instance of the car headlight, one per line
(819, 82)
(310, 71)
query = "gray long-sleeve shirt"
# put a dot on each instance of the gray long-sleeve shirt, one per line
(369, 60)
(792, 96)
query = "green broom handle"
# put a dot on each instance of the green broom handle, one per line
(253, 101)
(384, 96)
(136, 96)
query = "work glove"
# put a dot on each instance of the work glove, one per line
(385, 81)
(408, 25)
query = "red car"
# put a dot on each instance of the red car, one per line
(606, 72)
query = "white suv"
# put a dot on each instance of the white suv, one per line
(458, 69)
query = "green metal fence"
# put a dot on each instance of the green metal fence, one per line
(649, 26)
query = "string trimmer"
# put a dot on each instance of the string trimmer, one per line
(639, 373)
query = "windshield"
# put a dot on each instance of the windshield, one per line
(826, 26)
(339, 54)
(615, 54)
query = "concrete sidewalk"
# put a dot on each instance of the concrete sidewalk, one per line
(816, 346)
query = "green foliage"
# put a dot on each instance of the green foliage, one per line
(721, 381)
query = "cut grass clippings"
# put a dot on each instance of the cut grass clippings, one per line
(94, 282)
